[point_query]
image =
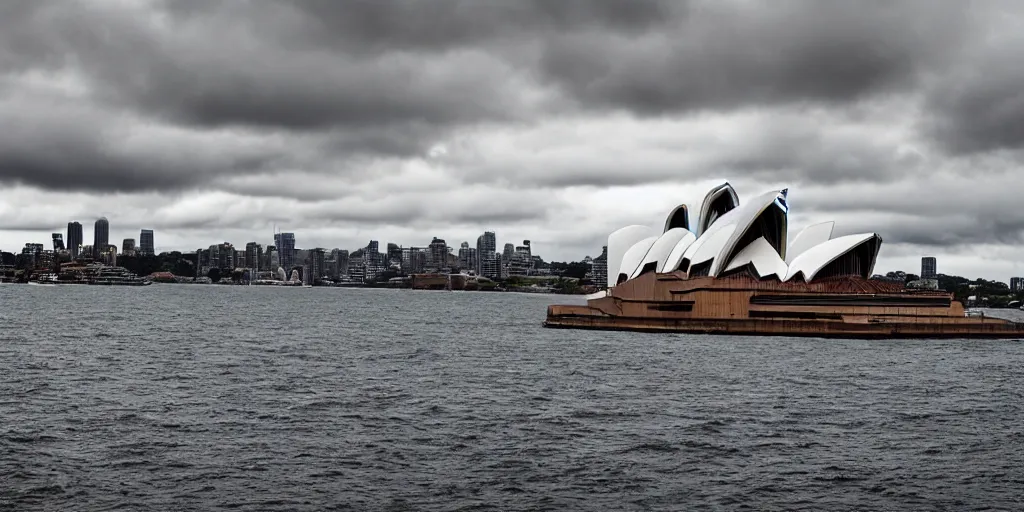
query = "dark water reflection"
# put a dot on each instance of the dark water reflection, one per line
(200, 398)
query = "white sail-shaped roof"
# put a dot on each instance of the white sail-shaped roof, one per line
(709, 246)
(763, 257)
(811, 261)
(618, 243)
(679, 217)
(719, 201)
(812, 235)
(635, 256)
(746, 219)
(671, 262)
(662, 247)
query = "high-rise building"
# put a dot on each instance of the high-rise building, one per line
(253, 256)
(285, 243)
(146, 242)
(100, 236)
(508, 251)
(58, 242)
(128, 246)
(487, 263)
(1017, 284)
(928, 269)
(600, 268)
(75, 238)
(437, 254)
(467, 257)
(520, 263)
(316, 266)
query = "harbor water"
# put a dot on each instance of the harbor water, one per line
(191, 397)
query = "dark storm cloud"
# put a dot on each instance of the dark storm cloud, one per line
(319, 86)
(981, 107)
(726, 55)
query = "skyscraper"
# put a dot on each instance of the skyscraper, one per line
(253, 255)
(316, 266)
(285, 243)
(100, 236)
(437, 254)
(601, 268)
(487, 261)
(58, 242)
(146, 242)
(75, 238)
(928, 268)
(128, 246)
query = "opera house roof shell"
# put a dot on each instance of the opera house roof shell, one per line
(731, 238)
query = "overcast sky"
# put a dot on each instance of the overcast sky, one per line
(345, 121)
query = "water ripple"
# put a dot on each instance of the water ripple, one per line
(339, 399)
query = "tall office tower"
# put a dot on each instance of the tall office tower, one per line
(75, 238)
(128, 246)
(467, 257)
(146, 242)
(486, 245)
(253, 254)
(316, 265)
(1017, 284)
(285, 243)
(58, 242)
(928, 269)
(100, 236)
(507, 252)
(394, 254)
(437, 254)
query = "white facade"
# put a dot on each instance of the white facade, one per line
(634, 257)
(618, 243)
(732, 237)
(809, 237)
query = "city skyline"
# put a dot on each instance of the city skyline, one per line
(554, 122)
(499, 245)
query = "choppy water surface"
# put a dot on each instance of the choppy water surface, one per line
(202, 397)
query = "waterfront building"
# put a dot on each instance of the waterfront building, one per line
(373, 261)
(285, 243)
(520, 262)
(58, 242)
(31, 256)
(340, 257)
(316, 265)
(1017, 284)
(100, 235)
(128, 246)
(508, 251)
(394, 255)
(146, 246)
(270, 258)
(928, 268)
(253, 256)
(488, 262)
(467, 257)
(437, 255)
(75, 238)
(600, 268)
(744, 275)
(108, 255)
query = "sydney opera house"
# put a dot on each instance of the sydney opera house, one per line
(736, 270)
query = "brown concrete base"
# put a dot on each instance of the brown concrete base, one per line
(585, 317)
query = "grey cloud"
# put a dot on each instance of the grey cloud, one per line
(726, 55)
(951, 211)
(980, 108)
